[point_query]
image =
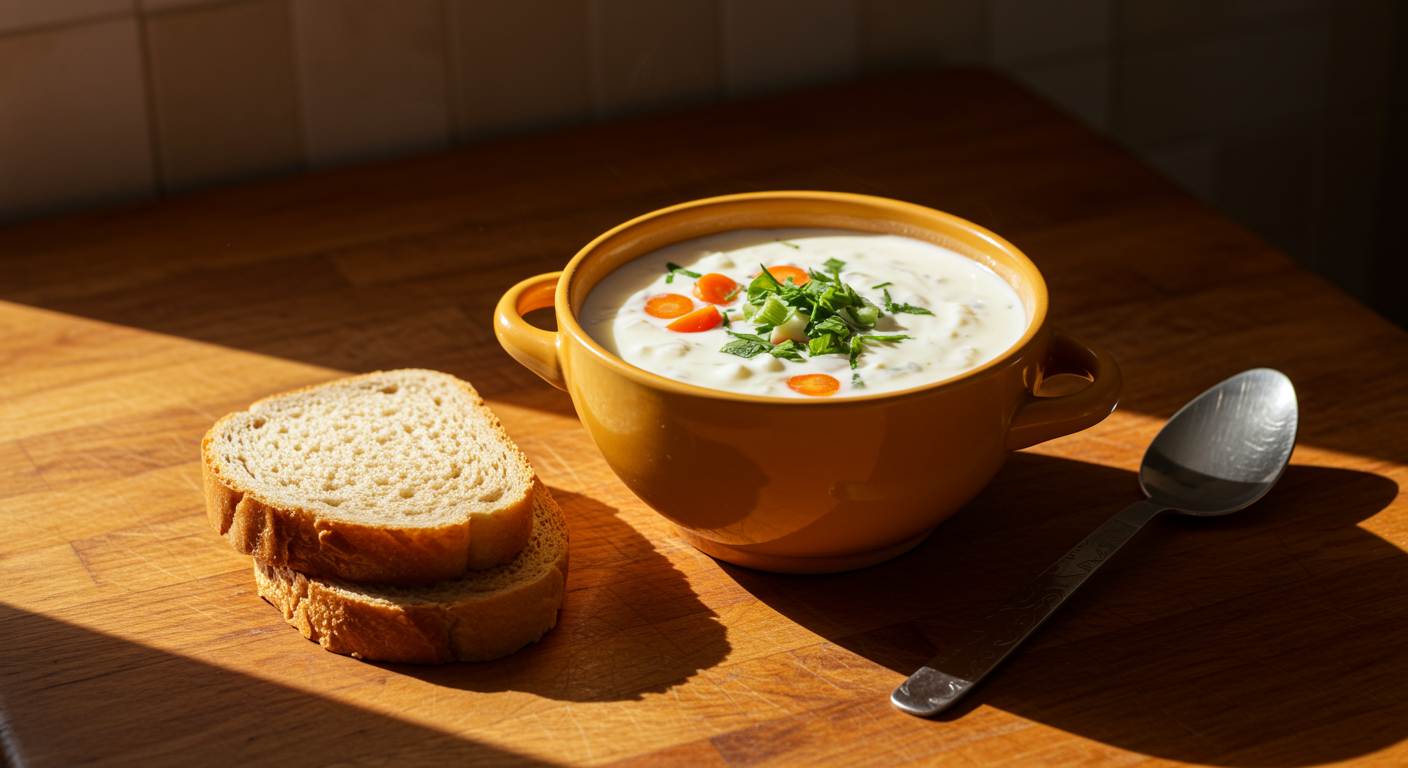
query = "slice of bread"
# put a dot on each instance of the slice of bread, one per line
(482, 616)
(394, 477)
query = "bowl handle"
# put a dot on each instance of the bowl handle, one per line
(533, 347)
(1039, 419)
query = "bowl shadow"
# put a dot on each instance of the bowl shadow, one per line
(630, 623)
(1268, 637)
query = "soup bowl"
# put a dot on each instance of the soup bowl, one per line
(818, 484)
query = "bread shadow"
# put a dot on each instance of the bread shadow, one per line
(76, 696)
(630, 623)
(1270, 637)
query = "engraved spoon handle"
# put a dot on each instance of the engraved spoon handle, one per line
(949, 675)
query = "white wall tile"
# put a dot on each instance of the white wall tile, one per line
(19, 14)
(1193, 164)
(519, 65)
(1156, 21)
(371, 76)
(1176, 91)
(73, 129)
(1356, 150)
(1362, 42)
(771, 44)
(652, 55)
(905, 34)
(1269, 177)
(224, 92)
(1080, 86)
(1023, 30)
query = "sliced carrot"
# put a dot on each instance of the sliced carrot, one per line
(785, 272)
(701, 319)
(814, 384)
(716, 288)
(668, 305)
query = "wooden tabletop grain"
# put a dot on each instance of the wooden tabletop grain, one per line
(131, 633)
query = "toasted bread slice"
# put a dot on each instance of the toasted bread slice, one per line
(394, 477)
(484, 615)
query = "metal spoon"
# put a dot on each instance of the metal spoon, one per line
(1218, 454)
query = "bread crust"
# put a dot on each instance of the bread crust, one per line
(316, 545)
(478, 626)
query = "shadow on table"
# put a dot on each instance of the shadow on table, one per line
(630, 624)
(72, 695)
(1270, 637)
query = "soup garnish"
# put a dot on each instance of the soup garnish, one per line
(820, 315)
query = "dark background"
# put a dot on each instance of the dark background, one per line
(1288, 115)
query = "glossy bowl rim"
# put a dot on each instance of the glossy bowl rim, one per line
(567, 319)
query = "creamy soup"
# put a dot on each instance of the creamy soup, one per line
(804, 312)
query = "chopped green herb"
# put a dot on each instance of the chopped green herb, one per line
(746, 344)
(825, 316)
(825, 344)
(788, 350)
(793, 246)
(832, 325)
(724, 314)
(857, 381)
(878, 286)
(671, 268)
(746, 348)
(762, 286)
(748, 337)
(896, 308)
(857, 346)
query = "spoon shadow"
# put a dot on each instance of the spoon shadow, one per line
(1269, 637)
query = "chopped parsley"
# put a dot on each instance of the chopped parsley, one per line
(830, 315)
(788, 350)
(793, 246)
(895, 307)
(671, 268)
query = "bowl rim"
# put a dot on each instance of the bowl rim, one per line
(567, 320)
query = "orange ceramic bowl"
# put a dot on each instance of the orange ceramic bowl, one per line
(718, 463)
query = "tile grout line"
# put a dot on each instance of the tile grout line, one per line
(723, 87)
(594, 49)
(158, 167)
(297, 74)
(450, 63)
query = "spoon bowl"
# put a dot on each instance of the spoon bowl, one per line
(1226, 448)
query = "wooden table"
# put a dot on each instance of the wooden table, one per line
(130, 632)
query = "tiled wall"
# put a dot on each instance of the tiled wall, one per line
(1274, 110)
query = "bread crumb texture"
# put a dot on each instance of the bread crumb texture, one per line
(392, 448)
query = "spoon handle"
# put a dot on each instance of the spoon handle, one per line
(949, 675)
